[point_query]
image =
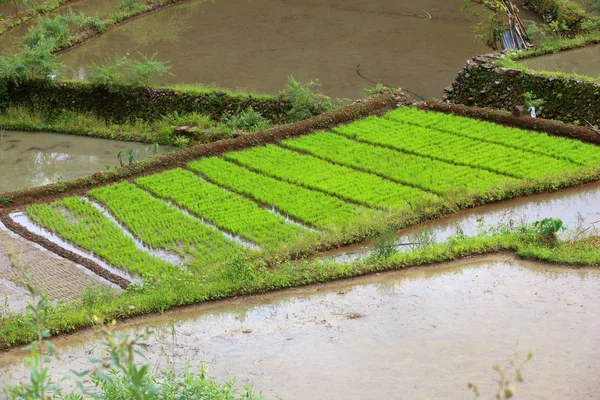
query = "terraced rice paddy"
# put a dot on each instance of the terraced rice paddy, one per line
(313, 192)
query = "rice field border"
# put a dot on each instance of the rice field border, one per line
(374, 106)
(26, 15)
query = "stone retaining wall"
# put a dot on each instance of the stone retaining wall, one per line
(483, 84)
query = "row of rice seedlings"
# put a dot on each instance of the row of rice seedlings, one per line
(343, 182)
(456, 149)
(160, 225)
(78, 221)
(537, 142)
(309, 206)
(436, 176)
(229, 211)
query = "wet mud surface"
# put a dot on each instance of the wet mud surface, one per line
(423, 332)
(29, 159)
(419, 46)
(583, 61)
(22, 261)
(12, 297)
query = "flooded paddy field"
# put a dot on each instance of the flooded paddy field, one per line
(12, 39)
(423, 332)
(419, 46)
(29, 159)
(582, 61)
(577, 207)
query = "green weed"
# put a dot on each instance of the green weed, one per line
(247, 120)
(127, 71)
(305, 101)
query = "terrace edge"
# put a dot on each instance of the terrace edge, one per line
(551, 127)
(375, 105)
(484, 82)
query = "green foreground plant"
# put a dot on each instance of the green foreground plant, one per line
(507, 379)
(122, 373)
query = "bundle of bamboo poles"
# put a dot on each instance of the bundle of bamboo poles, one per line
(517, 30)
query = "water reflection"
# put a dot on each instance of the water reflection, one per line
(258, 44)
(33, 159)
(452, 321)
(577, 207)
(583, 61)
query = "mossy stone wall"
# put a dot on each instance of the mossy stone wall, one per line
(124, 103)
(482, 84)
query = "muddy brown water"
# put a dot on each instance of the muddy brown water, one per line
(257, 44)
(423, 332)
(12, 39)
(578, 207)
(30, 159)
(583, 61)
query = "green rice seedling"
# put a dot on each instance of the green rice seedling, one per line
(536, 142)
(456, 149)
(343, 182)
(432, 175)
(227, 210)
(310, 206)
(78, 221)
(162, 226)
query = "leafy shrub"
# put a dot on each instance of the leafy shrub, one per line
(55, 29)
(531, 101)
(127, 5)
(548, 228)
(305, 102)
(248, 120)
(96, 24)
(567, 15)
(181, 141)
(127, 71)
(36, 62)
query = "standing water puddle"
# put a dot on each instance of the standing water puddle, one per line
(34, 159)
(576, 207)
(583, 61)
(423, 332)
(417, 45)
